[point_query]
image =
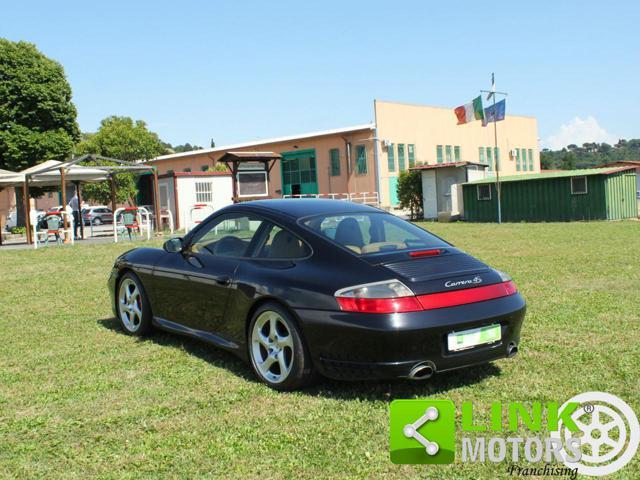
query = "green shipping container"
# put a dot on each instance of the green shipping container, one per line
(590, 194)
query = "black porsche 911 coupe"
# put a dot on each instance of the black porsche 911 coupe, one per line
(304, 286)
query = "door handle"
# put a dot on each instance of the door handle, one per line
(224, 280)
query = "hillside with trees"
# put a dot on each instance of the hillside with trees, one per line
(589, 155)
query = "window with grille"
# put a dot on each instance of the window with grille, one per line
(484, 192)
(578, 185)
(204, 192)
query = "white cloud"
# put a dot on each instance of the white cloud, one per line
(579, 131)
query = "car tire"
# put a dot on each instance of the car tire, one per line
(97, 222)
(132, 306)
(278, 354)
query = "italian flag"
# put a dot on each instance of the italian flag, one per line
(470, 112)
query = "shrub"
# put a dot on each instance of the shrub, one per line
(19, 230)
(410, 192)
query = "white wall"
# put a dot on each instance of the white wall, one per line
(429, 194)
(222, 192)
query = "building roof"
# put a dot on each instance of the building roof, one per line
(250, 156)
(635, 163)
(224, 148)
(553, 174)
(444, 165)
(208, 173)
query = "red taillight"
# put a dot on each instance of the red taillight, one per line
(468, 295)
(379, 305)
(430, 301)
(425, 253)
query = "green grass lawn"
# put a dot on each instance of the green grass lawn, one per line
(80, 399)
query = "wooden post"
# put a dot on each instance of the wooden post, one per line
(81, 220)
(156, 200)
(112, 183)
(27, 210)
(234, 179)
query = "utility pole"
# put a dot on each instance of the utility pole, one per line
(492, 95)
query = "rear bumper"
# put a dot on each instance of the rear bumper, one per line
(380, 346)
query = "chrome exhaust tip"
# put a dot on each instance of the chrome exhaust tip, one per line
(512, 350)
(422, 371)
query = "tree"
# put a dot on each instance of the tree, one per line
(569, 161)
(410, 192)
(37, 116)
(124, 139)
(187, 147)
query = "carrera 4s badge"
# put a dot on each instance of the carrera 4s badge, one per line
(459, 283)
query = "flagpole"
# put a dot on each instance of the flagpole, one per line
(493, 93)
(497, 159)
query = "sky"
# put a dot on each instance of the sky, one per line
(237, 71)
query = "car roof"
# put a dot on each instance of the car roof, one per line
(306, 207)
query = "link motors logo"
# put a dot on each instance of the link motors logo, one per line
(609, 433)
(593, 433)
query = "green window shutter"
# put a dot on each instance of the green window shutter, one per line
(401, 165)
(523, 153)
(456, 153)
(497, 157)
(411, 149)
(531, 159)
(481, 156)
(439, 154)
(448, 153)
(490, 158)
(518, 156)
(391, 161)
(361, 155)
(334, 155)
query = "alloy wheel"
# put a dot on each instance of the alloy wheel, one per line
(272, 347)
(130, 305)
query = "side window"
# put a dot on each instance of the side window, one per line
(229, 236)
(280, 243)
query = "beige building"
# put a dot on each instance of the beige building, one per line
(411, 135)
(367, 159)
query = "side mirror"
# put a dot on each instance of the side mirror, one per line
(173, 245)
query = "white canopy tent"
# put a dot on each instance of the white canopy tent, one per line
(53, 173)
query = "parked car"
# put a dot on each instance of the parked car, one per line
(299, 286)
(97, 215)
(12, 218)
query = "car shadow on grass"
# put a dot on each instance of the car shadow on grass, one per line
(401, 388)
(202, 350)
(324, 387)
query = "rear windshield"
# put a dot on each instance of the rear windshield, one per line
(376, 232)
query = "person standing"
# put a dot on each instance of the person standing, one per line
(75, 211)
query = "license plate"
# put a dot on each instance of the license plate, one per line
(470, 338)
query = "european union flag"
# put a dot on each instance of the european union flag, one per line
(494, 113)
